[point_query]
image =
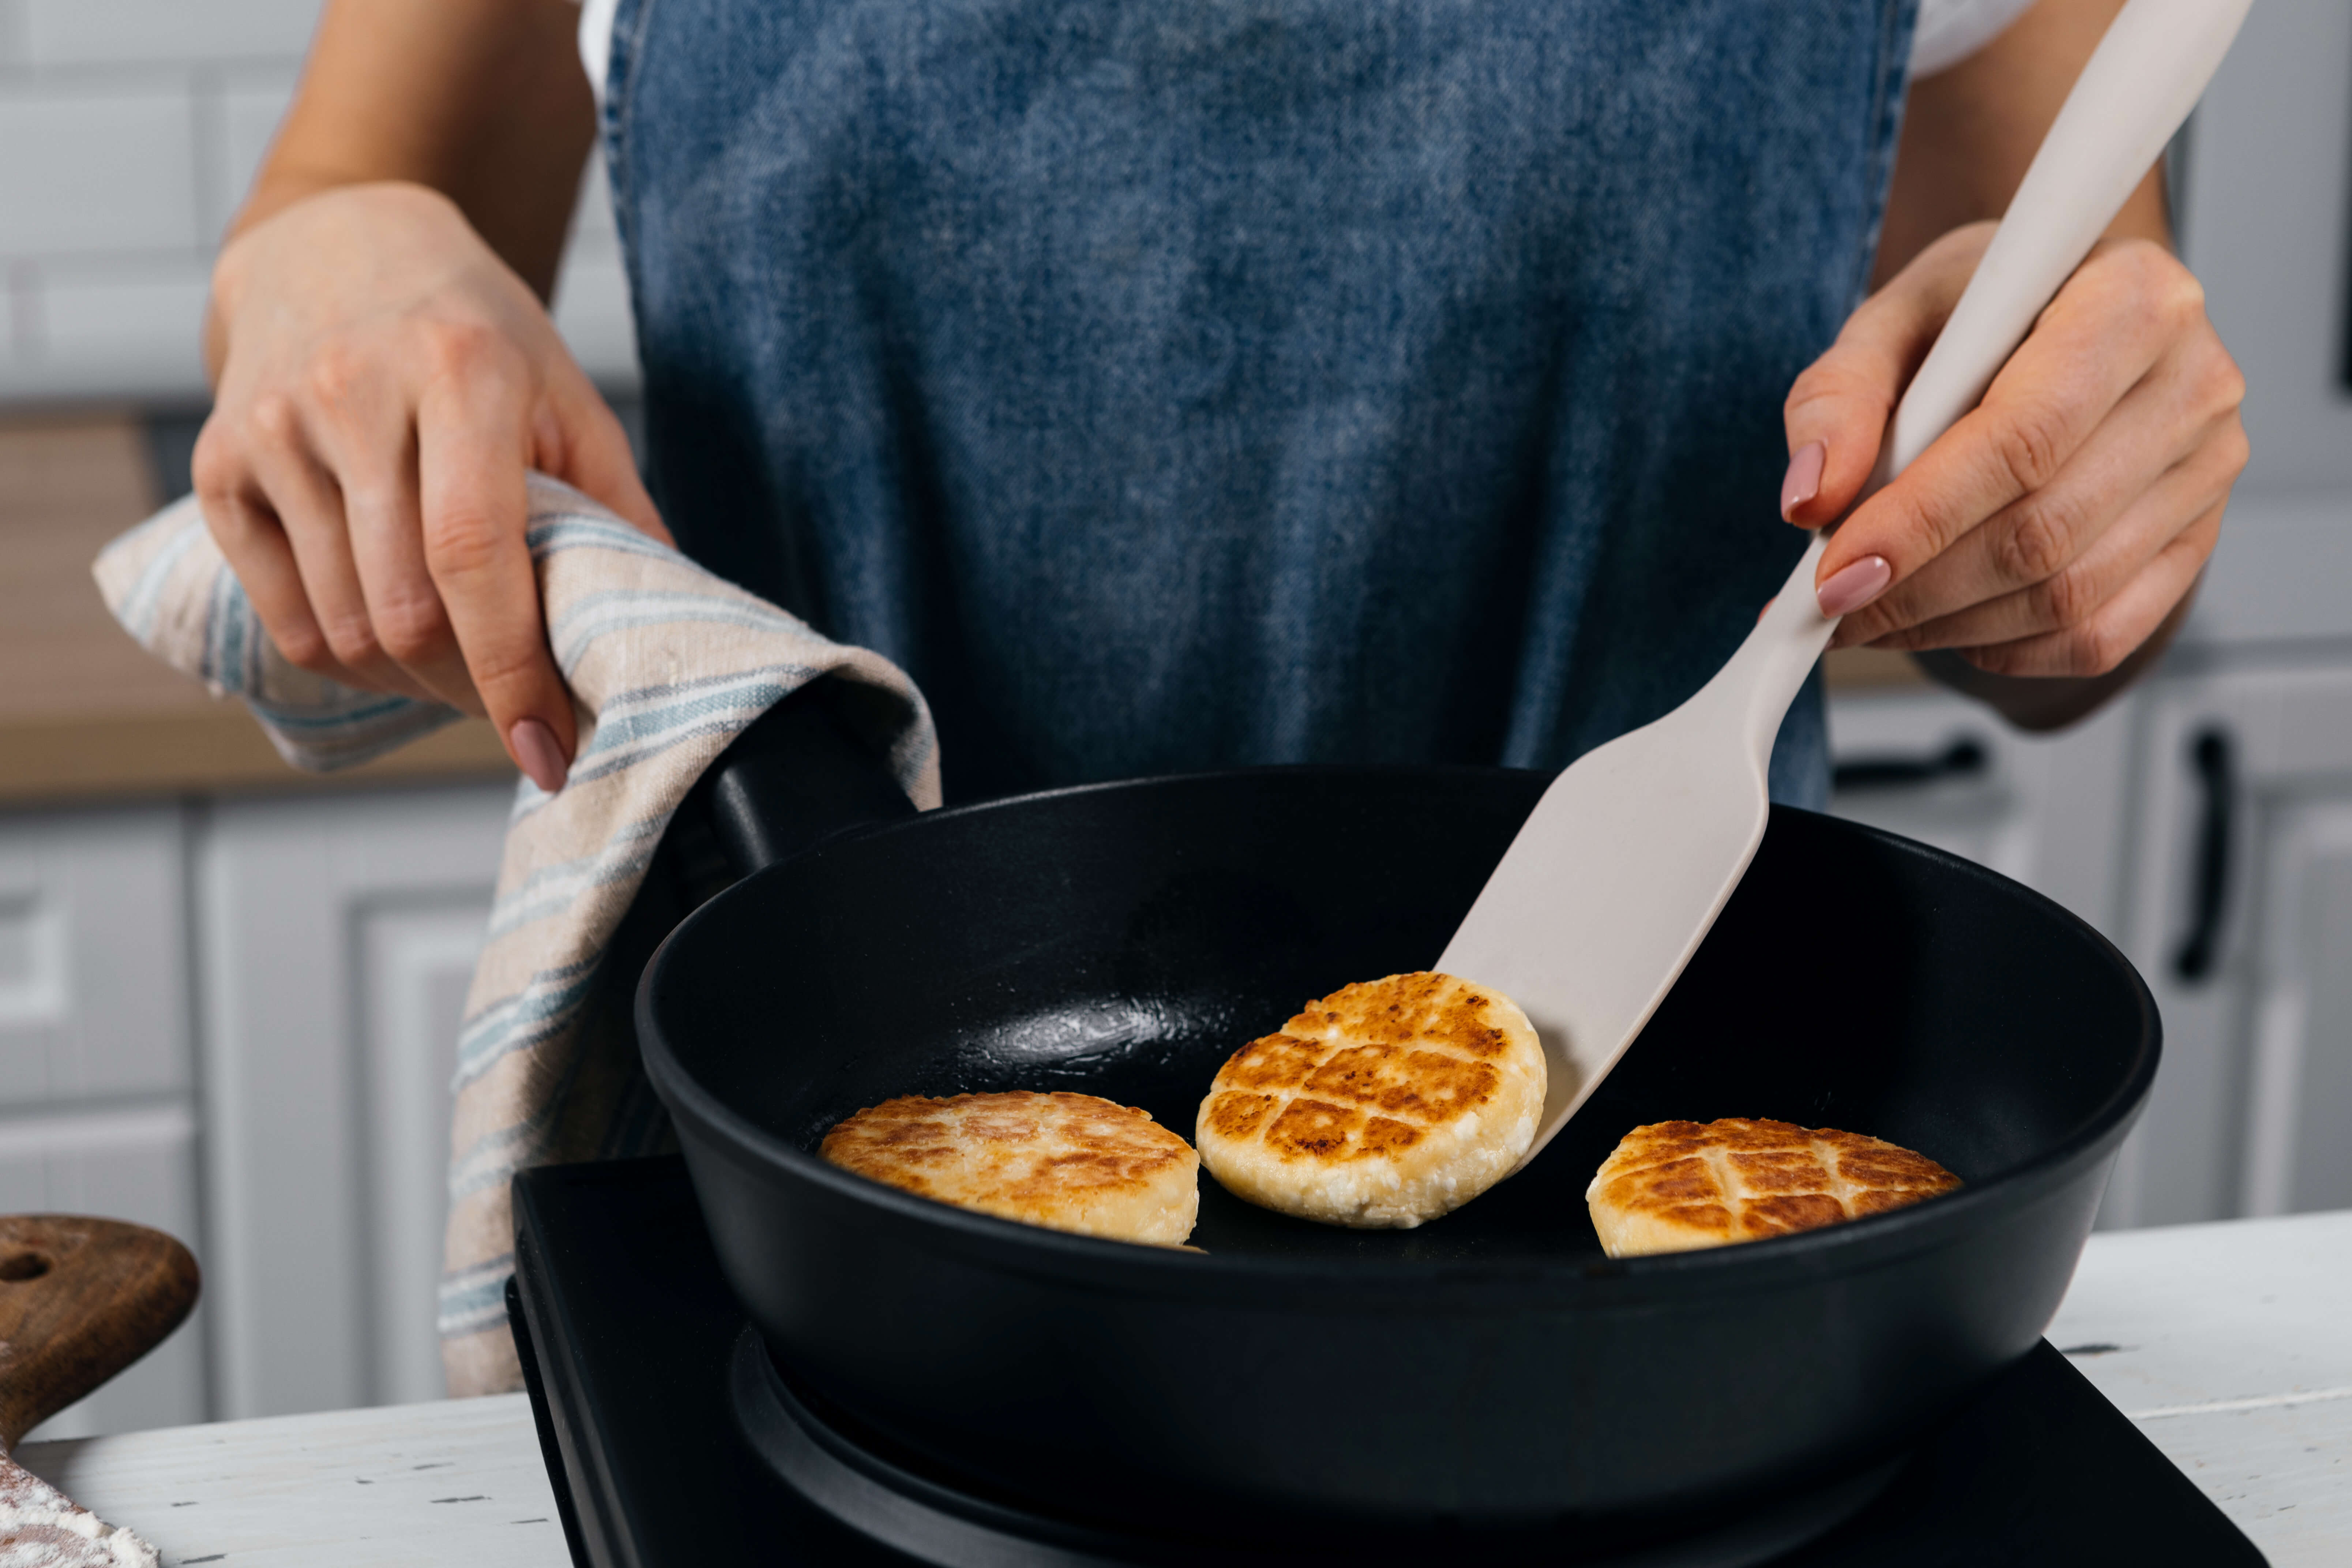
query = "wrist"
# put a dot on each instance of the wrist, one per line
(2040, 703)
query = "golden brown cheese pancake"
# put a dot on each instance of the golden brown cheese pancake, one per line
(1674, 1186)
(1382, 1105)
(1067, 1161)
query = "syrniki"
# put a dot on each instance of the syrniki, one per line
(1066, 1161)
(1384, 1104)
(1674, 1186)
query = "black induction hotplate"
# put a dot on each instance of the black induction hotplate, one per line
(670, 1437)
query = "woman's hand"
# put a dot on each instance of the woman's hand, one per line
(385, 381)
(2054, 529)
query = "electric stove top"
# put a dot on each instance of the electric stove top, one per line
(672, 1441)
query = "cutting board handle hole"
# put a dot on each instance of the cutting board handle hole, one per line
(19, 1267)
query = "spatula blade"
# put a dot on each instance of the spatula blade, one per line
(1609, 888)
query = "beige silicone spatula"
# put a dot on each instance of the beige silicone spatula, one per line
(1631, 853)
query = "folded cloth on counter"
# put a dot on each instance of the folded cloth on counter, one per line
(668, 664)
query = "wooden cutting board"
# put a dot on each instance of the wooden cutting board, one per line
(79, 1300)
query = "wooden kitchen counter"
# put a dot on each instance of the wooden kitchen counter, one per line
(2227, 1343)
(84, 712)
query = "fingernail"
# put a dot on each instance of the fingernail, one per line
(534, 747)
(1804, 479)
(1853, 586)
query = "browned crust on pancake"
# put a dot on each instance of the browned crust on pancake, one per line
(1676, 1185)
(1387, 1103)
(1070, 1162)
(1366, 1072)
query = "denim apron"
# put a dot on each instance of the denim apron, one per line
(1173, 384)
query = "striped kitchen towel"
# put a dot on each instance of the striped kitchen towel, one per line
(668, 664)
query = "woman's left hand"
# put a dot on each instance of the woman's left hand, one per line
(2054, 528)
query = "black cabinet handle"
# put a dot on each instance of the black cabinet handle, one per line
(2209, 754)
(1965, 758)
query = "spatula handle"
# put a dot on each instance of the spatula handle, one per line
(2139, 85)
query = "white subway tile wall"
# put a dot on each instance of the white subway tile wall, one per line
(97, 171)
(163, 32)
(129, 132)
(250, 113)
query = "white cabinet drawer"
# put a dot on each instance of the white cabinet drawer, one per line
(93, 986)
(138, 1164)
(2244, 858)
(2045, 810)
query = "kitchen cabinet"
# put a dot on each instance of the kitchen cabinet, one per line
(93, 1002)
(2240, 915)
(135, 1163)
(98, 1111)
(1933, 765)
(2241, 804)
(2204, 823)
(236, 1020)
(336, 936)
(2054, 812)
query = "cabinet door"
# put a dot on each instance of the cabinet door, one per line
(93, 993)
(96, 1069)
(2240, 920)
(336, 938)
(1936, 766)
(2269, 172)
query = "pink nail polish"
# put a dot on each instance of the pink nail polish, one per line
(534, 746)
(1855, 586)
(1804, 478)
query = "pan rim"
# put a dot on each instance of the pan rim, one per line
(1108, 1264)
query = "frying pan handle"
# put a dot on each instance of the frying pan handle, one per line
(799, 776)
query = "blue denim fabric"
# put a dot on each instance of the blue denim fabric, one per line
(1168, 384)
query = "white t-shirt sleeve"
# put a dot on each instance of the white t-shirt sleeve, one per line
(596, 41)
(1948, 31)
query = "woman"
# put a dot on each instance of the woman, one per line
(1212, 381)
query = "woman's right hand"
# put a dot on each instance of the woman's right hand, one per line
(383, 380)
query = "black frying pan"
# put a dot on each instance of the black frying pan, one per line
(1490, 1369)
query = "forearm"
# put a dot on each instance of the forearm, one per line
(483, 101)
(2039, 705)
(1968, 135)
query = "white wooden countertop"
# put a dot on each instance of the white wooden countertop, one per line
(2231, 1344)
